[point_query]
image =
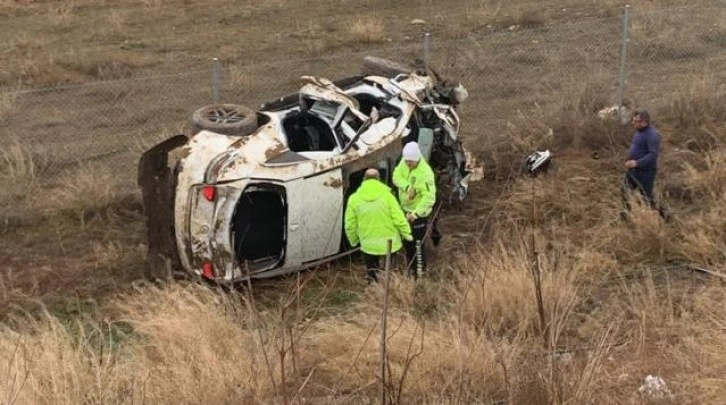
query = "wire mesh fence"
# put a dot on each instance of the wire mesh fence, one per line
(532, 73)
(676, 51)
(521, 72)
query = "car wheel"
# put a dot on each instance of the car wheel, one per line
(226, 119)
(383, 67)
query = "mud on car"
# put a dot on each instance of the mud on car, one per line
(254, 194)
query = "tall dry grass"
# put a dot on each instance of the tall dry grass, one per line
(22, 169)
(186, 348)
(368, 30)
(191, 344)
(19, 163)
(87, 192)
(614, 308)
(62, 14)
(7, 102)
(472, 337)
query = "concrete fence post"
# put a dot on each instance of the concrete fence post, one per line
(427, 49)
(623, 60)
(384, 320)
(215, 80)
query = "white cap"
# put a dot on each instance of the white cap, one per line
(411, 152)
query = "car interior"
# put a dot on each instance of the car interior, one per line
(258, 226)
(306, 132)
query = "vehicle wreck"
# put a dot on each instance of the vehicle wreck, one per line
(255, 194)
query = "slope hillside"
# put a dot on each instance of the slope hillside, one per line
(539, 293)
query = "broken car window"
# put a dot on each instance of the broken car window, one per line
(324, 109)
(348, 127)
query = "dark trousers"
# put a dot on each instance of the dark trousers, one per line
(372, 261)
(372, 265)
(416, 249)
(643, 181)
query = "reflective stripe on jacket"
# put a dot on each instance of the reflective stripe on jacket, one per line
(421, 179)
(373, 216)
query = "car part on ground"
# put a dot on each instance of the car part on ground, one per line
(537, 162)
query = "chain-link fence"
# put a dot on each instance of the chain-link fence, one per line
(676, 51)
(521, 72)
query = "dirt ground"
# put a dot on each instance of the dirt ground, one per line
(53, 42)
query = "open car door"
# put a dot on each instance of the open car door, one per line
(315, 217)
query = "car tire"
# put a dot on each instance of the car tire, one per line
(373, 65)
(226, 119)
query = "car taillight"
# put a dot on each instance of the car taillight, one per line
(209, 192)
(208, 270)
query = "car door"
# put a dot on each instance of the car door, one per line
(315, 220)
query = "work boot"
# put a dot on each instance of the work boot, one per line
(371, 276)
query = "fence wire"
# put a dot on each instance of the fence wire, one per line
(679, 51)
(516, 73)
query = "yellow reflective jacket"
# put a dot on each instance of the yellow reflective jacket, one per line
(373, 217)
(421, 180)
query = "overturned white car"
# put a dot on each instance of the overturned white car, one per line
(260, 194)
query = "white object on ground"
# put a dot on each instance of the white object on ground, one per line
(655, 387)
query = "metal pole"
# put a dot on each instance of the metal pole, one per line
(215, 80)
(387, 276)
(623, 59)
(427, 49)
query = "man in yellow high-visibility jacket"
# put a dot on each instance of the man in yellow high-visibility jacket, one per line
(416, 185)
(372, 218)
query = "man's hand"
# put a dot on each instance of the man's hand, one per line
(411, 193)
(410, 216)
(631, 164)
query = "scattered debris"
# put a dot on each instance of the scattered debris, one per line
(611, 113)
(655, 387)
(537, 162)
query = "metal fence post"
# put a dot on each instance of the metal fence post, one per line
(427, 49)
(215, 80)
(384, 321)
(623, 59)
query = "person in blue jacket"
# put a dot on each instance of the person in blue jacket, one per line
(642, 162)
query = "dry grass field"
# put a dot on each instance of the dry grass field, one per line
(620, 301)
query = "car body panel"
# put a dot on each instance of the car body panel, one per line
(315, 211)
